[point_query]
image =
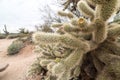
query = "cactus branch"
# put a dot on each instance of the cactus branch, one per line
(84, 8)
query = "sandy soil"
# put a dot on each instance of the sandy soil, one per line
(18, 64)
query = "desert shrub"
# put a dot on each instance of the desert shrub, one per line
(15, 47)
(2, 36)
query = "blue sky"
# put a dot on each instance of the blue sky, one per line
(22, 13)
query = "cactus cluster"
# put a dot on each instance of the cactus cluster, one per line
(97, 37)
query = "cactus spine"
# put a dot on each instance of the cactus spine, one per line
(85, 9)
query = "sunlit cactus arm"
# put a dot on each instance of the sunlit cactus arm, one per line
(70, 62)
(57, 25)
(45, 62)
(46, 50)
(79, 22)
(74, 59)
(66, 40)
(64, 76)
(89, 29)
(72, 42)
(84, 8)
(50, 66)
(101, 32)
(98, 28)
(62, 13)
(47, 57)
(76, 71)
(62, 54)
(114, 32)
(46, 38)
(58, 68)
(65, 14)
(74, 22)
(105, 11)
(68, 28)
(85, 27)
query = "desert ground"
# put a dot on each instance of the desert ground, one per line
(18, 64)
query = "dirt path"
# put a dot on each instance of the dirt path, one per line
(18, 64)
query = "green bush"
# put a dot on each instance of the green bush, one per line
(15, 47)
(22, 35)
(2, 36)
(17, 35)
(11, 36)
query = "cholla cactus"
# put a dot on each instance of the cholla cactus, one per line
(102, 43)
(85, 9)
(69, 15)
(102, 13)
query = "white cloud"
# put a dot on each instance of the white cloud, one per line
(22, 13)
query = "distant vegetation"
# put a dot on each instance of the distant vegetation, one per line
(12, 36)
(23, 37)
(22, 32)
(2, 36)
